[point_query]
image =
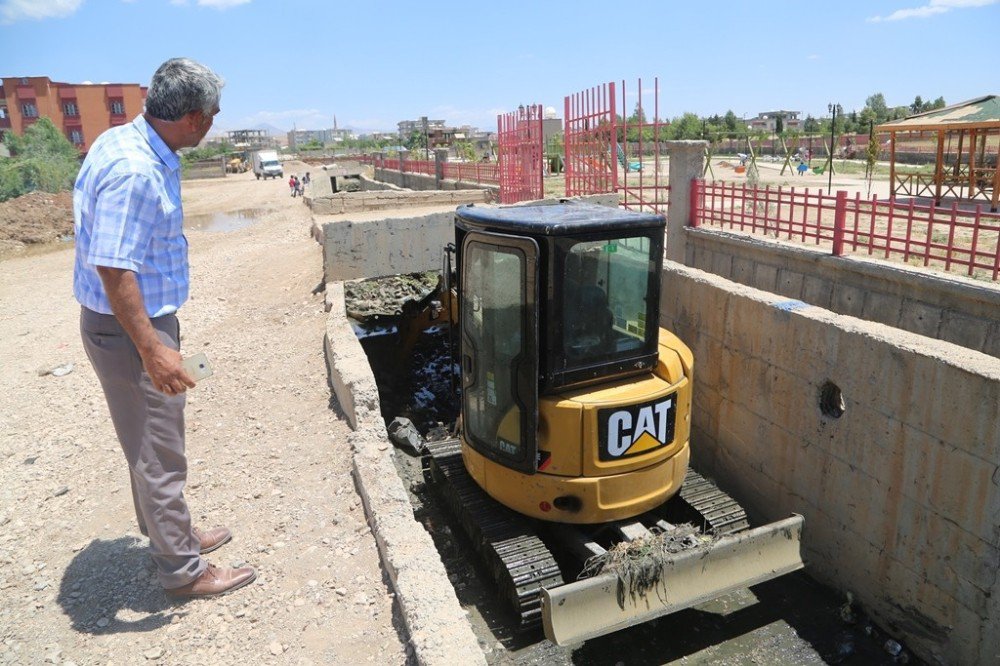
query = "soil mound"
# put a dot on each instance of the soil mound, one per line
(37, 217)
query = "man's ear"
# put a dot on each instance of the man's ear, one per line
(193, 120)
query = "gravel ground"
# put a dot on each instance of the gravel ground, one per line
(267, 453)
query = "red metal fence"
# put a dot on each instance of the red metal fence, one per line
(482, 173)
(952, 238)
(609, 152)
(590, 126)
(520, 154)
(644, 188)
(425, 167)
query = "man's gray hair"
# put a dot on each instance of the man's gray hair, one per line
(181, 86)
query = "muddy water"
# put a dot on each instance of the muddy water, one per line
(223, 222)
(791, 620)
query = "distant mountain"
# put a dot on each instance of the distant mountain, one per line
(221, 131)
(271, 129)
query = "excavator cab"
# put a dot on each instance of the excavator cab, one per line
(554, 301)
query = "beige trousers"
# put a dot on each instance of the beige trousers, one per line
(150, 428)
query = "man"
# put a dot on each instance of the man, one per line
(130, 277)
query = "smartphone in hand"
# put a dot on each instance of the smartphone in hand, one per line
(197, 367)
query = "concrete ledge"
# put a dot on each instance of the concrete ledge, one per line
(438, 627)
(382, 245)
(947, 307)
(353, 202)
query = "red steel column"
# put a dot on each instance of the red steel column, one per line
(697, 189)
(839, 217)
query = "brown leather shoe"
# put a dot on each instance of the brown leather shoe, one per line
(213, 538)
(216, 581)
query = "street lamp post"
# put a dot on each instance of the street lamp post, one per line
(833, 108)
(427, 151)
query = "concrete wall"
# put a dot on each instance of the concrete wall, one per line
(213, 168)
(420, 181)
(952, 308)
(437, 625)
(900, 494)
(353, 202)
(322, 183)
(388, 246)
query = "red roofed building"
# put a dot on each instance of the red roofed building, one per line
(81, 110)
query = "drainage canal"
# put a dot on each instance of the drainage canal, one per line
(790, 620)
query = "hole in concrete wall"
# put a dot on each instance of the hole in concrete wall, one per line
(831, 400)
(347, 183)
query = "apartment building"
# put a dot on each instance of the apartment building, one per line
(81, 110)
(768, 121)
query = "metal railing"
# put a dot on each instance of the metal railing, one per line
(951, 238)
(425, 167)
(520, 153)
(481, 173)
(607, 152)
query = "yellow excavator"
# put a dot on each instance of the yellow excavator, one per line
(570, 469)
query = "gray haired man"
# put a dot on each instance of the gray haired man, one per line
(131, 277)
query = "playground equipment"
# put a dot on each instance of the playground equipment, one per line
(627, 165)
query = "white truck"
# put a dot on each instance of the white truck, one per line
(266, 164)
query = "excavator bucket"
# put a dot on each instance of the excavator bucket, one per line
(596, 606)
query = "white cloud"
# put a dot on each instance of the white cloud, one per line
(18, 10)
(371, 124)
(455, 116)
(931, 8)
(214, 4)
(222, 4)
(299, 118)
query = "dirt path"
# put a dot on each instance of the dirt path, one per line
(267, 457)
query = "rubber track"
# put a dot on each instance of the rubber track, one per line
(721, 513)
(520, 563)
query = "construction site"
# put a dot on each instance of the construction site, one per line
(656, 408)
(855, 393)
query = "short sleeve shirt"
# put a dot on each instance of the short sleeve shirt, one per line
(127, 214)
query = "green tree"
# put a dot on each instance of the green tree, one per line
(415, 141)
(938, 103)
(688, 126)
(877, 107)
(732, 125)
(42, 159)
(465, 150)
(810, 125)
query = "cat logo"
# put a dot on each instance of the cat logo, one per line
(636, 429)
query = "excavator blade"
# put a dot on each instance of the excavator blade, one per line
(589, 608)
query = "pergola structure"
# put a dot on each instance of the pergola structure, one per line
(974, 127)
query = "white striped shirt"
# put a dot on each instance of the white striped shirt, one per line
(127, 214)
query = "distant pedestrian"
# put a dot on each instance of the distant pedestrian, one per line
(293, 185)
(802, 168)
(305, 179)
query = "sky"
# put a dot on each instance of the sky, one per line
(371, 63)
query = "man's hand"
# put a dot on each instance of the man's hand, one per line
(162, 363)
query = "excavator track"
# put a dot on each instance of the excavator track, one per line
(518, 560)
(720, 512)
(508, 543)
